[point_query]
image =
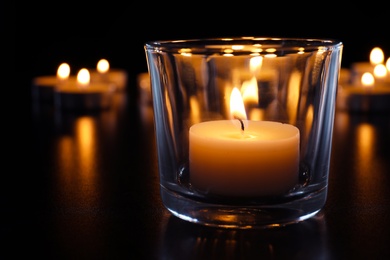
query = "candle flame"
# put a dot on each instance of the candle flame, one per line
(83, 77)
(103, 66)
(367, 79)
(376, 56)
(63, 71)
(237, 108)
(388, 64)
(380, 71)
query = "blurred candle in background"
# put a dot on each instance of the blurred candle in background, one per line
(82, 94)
(375, 66)
(43, 86)
(104, 73)
(366, 88)
(103, 67)
(366, 97)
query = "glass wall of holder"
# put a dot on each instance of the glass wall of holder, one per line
(244, 127)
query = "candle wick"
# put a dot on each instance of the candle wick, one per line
(242, 123)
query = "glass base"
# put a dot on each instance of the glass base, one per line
(243, 216)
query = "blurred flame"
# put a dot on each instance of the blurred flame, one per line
(228, 52)
(63, 71)
(388, 64)
(237, 47)
(293, 94)
(367, 79)
(83, 77)
(376, 56)
(380, 71)
(103, 66)
(309, 119)
(195, 109)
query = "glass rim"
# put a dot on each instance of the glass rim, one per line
(244, 45)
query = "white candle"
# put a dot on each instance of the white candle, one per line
(104, 73)
(261, 160)
(366, 97)
(375, 66)
(83, 94)
(43, 86)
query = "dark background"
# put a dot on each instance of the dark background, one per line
(81, 33)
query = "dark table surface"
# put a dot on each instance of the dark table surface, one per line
(91, 191)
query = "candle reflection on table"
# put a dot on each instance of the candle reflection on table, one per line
(77, 154)
(183, 240)
(77, 181)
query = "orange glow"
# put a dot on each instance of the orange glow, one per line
(309, 118)
(293, 95)
(66, 155)
(365, 142)
(195, 110)
(366, 136)
(249, 91)
(256, 114)
(85, 141)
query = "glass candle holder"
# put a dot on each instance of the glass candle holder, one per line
(244, 127)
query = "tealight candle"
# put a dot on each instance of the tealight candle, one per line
(375, 66)
(104, 73)
(43, 86)
(367, 97)
(81, 94)
(240, 157)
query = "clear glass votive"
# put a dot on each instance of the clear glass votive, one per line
(244, 127)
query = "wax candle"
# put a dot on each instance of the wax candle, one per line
(81, 94)
(104, 73)
(366, 97)
(375, 66)
(244, 158)
(43, 86)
